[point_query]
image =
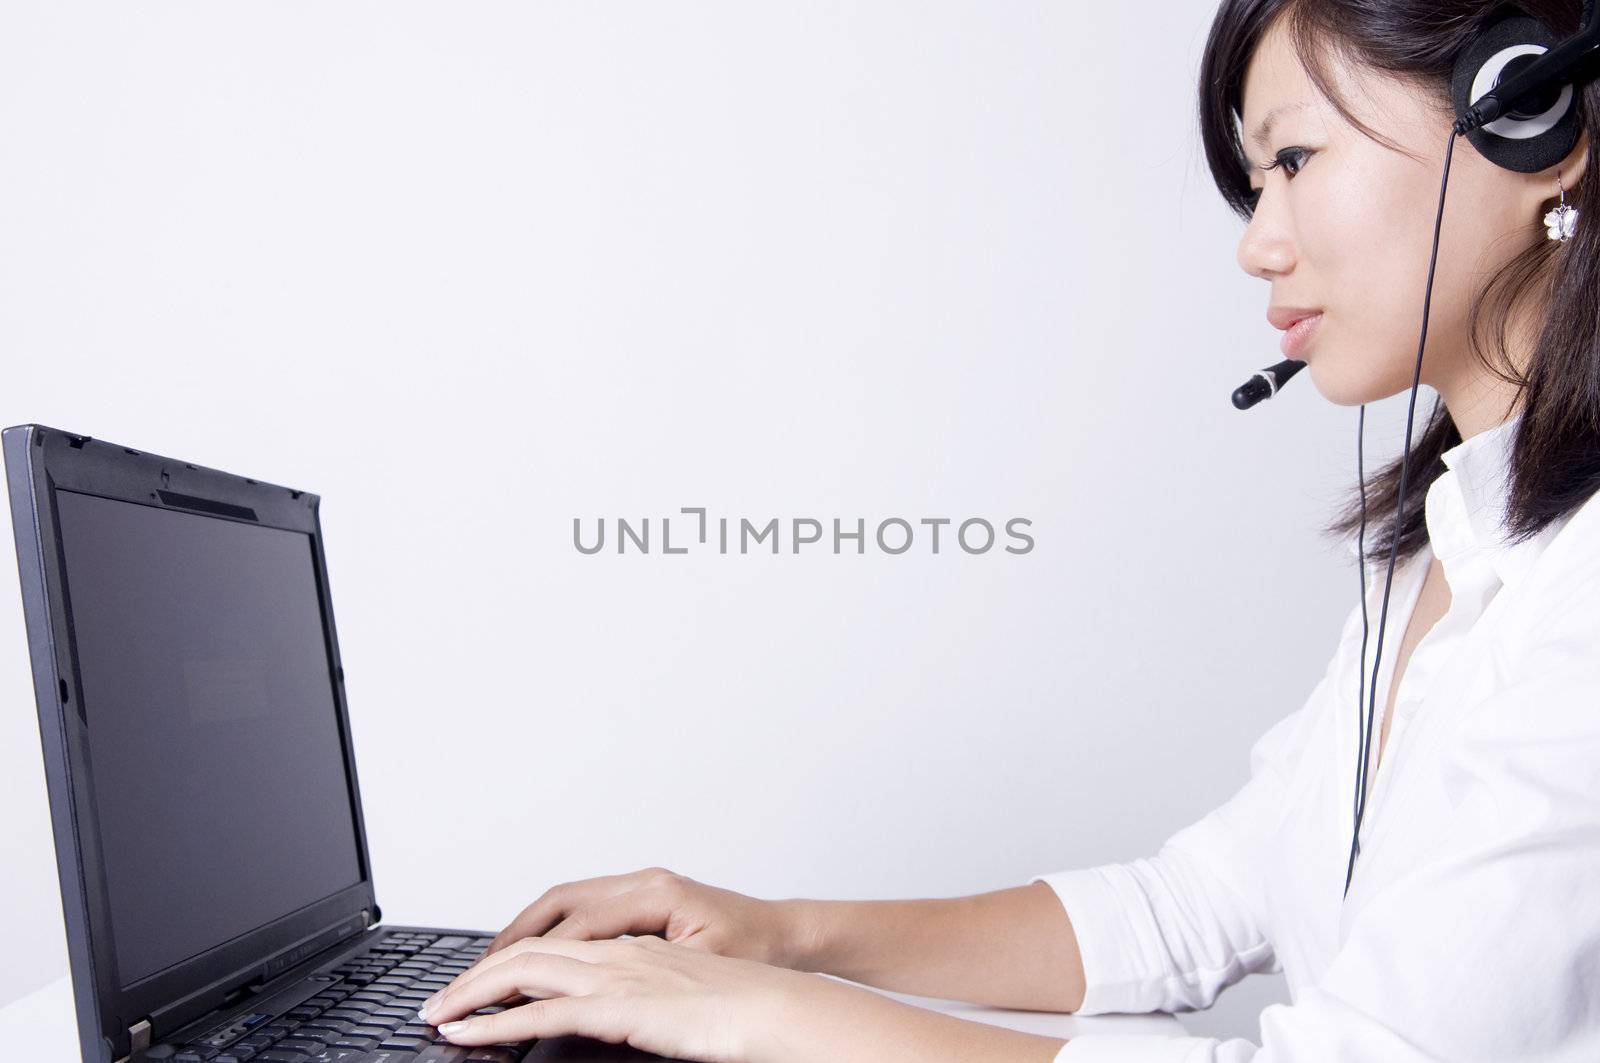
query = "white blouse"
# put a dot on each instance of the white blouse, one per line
(1472, 926)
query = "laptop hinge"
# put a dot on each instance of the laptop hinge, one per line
(138, 1037)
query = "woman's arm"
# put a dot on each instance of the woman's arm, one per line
(686, 1003)
(1012, 948)
(823, 1019)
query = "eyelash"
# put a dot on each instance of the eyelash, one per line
(1254, 195)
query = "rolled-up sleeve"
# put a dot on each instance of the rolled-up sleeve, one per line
(1171, 931)
(1488, 947)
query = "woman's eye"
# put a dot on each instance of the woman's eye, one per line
(1291, 159)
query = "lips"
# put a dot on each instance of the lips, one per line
(1284, 317)
(1298, 335)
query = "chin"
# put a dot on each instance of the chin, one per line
(1348, 380)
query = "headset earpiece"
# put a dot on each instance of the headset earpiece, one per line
(1539, 133)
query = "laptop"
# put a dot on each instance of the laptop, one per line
(215, 884)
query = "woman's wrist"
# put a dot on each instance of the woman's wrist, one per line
(801, 933)
(781, 1027)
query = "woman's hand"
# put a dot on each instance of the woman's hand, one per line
(656, 901)
(646, 992)
(689, 1004)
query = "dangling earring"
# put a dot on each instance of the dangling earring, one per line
(1562, 221)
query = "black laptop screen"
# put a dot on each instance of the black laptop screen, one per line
(222, 798)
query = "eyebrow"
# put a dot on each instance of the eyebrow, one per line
(1265, 128)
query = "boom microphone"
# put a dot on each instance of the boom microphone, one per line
(1266, 383)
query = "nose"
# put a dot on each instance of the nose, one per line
(1266, 250)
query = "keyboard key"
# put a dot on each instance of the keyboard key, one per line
(443, 1054)
(299, 1044)
(394, 1013)
(352, 1041)
(414, 1044)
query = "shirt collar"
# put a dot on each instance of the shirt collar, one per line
(1466, 506)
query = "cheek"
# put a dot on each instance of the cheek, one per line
(1367, 239)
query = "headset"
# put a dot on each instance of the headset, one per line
(1514, 92)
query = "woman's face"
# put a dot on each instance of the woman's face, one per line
(1343, 226)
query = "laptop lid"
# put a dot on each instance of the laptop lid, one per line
(192, 716)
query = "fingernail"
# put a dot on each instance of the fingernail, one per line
(450, 1029)
(428, 1005)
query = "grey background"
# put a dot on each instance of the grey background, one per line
(471, 271)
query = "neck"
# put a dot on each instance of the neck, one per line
(1477, 406)
(1476, 396)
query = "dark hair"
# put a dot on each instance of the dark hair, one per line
(1555, 461)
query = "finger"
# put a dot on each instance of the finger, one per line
(586, 1016)
(533, 974)
(639, 911)
(586, 951)
(582, 950)
(557, 901)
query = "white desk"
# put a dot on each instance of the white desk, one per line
(44, 1021)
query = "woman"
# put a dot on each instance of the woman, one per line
(1471, 928)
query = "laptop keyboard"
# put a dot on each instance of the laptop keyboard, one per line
(369, 1015)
